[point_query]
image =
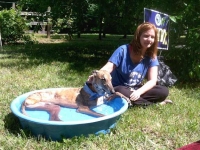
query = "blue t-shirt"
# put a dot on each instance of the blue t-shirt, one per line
(126, 72)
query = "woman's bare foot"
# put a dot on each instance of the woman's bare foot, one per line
(167, 101)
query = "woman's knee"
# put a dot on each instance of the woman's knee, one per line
(124, 90)
(163, 91)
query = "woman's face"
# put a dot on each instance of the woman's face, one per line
(147, 38)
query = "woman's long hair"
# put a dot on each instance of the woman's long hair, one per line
(135, 43)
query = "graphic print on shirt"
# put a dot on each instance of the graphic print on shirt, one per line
(134, 79)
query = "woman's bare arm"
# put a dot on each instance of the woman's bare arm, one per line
(152, 79)
(109, 66)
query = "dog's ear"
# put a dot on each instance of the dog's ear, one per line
(94, 72)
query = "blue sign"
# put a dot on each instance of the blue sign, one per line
(161, 21)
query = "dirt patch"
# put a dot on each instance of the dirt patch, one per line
(46, 40)
(55, 38)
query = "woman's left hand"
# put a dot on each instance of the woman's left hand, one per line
(135, 95)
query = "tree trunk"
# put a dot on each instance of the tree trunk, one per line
(1, 47)
(100, 28)
(125, 35)
(104, 34)
(48, 30)
(79, 34)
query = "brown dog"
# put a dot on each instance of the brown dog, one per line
(92, 94)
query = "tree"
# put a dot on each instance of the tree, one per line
(184, 32)
(59, 10)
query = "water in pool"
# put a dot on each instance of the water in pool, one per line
(69, 114)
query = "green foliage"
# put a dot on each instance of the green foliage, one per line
(60, 24)
(12, 26)
(58, 11)
(184, 51)
(29, 39)
(183, 55)
(192, 41)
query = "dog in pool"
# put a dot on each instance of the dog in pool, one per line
(82, 99)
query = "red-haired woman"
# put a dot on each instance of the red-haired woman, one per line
(131, 63)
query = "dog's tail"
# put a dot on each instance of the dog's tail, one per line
(23, 108)
(30, 100)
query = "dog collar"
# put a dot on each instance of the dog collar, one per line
(92, 94)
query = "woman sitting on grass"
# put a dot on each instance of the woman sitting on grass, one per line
(131, 63)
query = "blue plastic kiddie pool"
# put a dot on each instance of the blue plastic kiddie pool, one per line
(73, 123)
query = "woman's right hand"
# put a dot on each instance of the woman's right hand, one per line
(135, 95)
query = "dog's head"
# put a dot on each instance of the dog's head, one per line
(102, 82)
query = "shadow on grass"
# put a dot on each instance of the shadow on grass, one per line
(79, 57)
(12, 124)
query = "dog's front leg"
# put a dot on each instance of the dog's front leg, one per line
(86, 110)
(118, 94)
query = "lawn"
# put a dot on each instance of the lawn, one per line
(65, 63)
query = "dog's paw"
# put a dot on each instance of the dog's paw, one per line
(110, 97)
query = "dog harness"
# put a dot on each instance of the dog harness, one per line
(93, 95)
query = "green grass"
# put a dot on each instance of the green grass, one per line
(31, 67)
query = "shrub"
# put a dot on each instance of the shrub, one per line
(183, 57)
(12, 26)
